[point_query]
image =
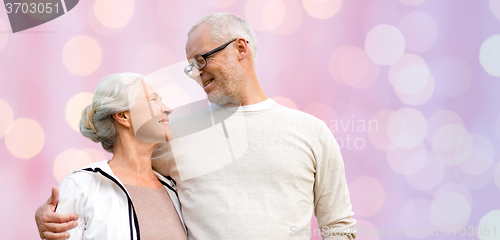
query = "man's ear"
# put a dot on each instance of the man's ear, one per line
(123, 118)
(243, 49)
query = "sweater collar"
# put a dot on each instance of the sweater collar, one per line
(264, 105)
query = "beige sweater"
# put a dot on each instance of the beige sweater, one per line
(278, 168)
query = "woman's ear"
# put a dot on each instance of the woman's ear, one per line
(123, 118)
(243, 48)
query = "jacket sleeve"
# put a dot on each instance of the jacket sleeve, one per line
(72, 200)
(331, 196)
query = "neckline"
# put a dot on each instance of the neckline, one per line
(260, 106)
(142, 187)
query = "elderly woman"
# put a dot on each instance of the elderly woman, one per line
(123, 198)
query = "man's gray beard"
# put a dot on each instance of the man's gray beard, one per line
(228, 85)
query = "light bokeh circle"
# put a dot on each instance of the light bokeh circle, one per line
(412, 80)
(406, 60)
(450, 208)
(495, 8)
(454, 75)
(448, 137)
(114, 13)
(356, 69)
(280, 17)
(367, 102)
(335, 61)
(440, 119)
(421, 97)
(349, 65)
(380, 138)
(497, 175)
(429, 177)
(81, 55)
(455, 188)
(221, 3)
(367, 195)
(273, 13)
(287, 102)
(415, 214)
(481, 156)
(407, 128)
(254, 14)
(175, 14)
(364, 229)
(69, 161)
(95, 155)
(7, 117)
(322, 9)
(478, 162)
(322, 111)
(497, 129)
(412, 2)
(74, 108)
(25, 138)
(452, 144)
(483, 143)
(475, 181)
(292, 18)
(489, 55)
(97, 26)
(406, 161)
(490, 219)
(385, 44)
(419, 30)
(2, 77)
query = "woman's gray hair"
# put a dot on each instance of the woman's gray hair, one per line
(111, 96)
(226, 26)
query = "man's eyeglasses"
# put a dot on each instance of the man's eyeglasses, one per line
(200, 61)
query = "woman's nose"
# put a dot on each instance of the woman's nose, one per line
(166, 110)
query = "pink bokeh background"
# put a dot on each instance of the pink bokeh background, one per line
(408, 87)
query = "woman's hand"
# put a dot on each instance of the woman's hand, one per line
(52, 225)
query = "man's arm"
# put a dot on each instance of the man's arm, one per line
(52, 225)
(331, 196)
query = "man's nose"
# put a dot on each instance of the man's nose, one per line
(196, 73)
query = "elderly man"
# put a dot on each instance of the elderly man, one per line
(291, 169)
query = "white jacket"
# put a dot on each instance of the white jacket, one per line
(103, 205)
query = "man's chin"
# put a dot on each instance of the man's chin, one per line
(223, 100)
(217, 99)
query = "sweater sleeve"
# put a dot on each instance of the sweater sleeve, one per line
(72, 200)
(331, 196)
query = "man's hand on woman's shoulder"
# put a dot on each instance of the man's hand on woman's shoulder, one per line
(52, 225)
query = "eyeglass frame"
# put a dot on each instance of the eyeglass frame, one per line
(205, 58)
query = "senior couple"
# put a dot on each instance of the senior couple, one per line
(266, 192)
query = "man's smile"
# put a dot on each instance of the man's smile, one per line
(207, 82)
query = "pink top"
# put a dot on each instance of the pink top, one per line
(156, 213)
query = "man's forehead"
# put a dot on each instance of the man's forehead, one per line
(198, 41)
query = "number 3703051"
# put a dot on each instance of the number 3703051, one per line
(471, 231)
(32, 7)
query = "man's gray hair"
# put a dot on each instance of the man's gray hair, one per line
(111, 96)
(226, 26)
